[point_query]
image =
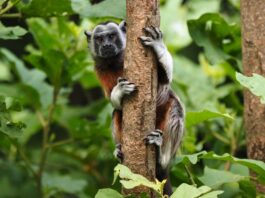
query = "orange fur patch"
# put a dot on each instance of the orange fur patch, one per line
(108, 80)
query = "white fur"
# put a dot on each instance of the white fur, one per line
(117, 93)
(115, 97)
(165, 155)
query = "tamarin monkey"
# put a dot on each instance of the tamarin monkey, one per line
(107, 43)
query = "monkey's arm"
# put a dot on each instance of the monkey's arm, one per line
(163, 56)
(123, 87)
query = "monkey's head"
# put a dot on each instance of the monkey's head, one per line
(107, 39)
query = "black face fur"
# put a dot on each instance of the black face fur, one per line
(107, 40)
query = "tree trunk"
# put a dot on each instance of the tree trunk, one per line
(253, 41)
(139, 111)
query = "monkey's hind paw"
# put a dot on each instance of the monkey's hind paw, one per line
(118, 153)
(155, 137)
(125, 86)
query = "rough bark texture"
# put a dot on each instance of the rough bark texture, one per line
(253, 29)
(139, 110)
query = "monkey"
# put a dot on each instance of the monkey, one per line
(107, 42)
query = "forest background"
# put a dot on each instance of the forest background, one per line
(55, 134)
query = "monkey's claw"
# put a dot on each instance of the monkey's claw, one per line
(118, 154)
(155, 137)
(155, 33)
(125, 86)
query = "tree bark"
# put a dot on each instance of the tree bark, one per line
(253, 41)
(139, 111)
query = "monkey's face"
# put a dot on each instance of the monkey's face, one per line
(107, 40)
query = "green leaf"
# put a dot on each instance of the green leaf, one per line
(47, 8)
(189, 191)
(14, 32)
(33, 78)
(216, 36)
(193, 118)
(215, 178)
(130, 180)
(65, 184)
(255, 84)
(108, 193)
(186, 159)
(248, 188)
(7, 126)
(255, 165)
(174, 18)
(109, 8)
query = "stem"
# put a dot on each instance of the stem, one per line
(12, 15)
(24, 157)
(7, 8)
(60, 143)
(45, 141)
(190, 175)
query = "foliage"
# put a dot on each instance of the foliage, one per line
(254, 84)
(55, 138)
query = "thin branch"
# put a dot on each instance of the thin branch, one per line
(24, 157)
(12, 15)
(45, 141)
(63, 142)
(190, 175)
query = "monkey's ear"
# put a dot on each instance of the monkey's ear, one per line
(88, 35)
(122, 26)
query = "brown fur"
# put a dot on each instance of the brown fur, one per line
(117, 125)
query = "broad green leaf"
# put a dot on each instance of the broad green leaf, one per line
(193, 118)
(47, 8)
(33, 78)
(186, 159)
(59, 55)
(215, 178)
(254, 165)
(216, 36)
(109, 8)
(254, 83)
(174, 16)
(248, 188)
(7, 126)
(14, 32)
(213, 194)
(108, 193)
(130, 180)
(65, 184)
(189, 191)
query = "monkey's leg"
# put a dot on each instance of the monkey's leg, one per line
(170, 118)
(116, 133)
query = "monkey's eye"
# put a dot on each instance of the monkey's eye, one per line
(112, 36)
(99, 39)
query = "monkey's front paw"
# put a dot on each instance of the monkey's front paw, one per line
(118, 153)
(125, 86)
(154, 137)
(154, 40)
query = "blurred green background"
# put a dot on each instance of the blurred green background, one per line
(55, 134)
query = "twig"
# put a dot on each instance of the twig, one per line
(12, 15)
(190, 175)
(45, 141)
(24, 157)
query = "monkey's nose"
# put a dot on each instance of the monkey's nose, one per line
(107, 46)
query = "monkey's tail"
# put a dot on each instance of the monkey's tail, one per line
(162, 174)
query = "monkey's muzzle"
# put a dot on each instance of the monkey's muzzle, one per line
(108, 51)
